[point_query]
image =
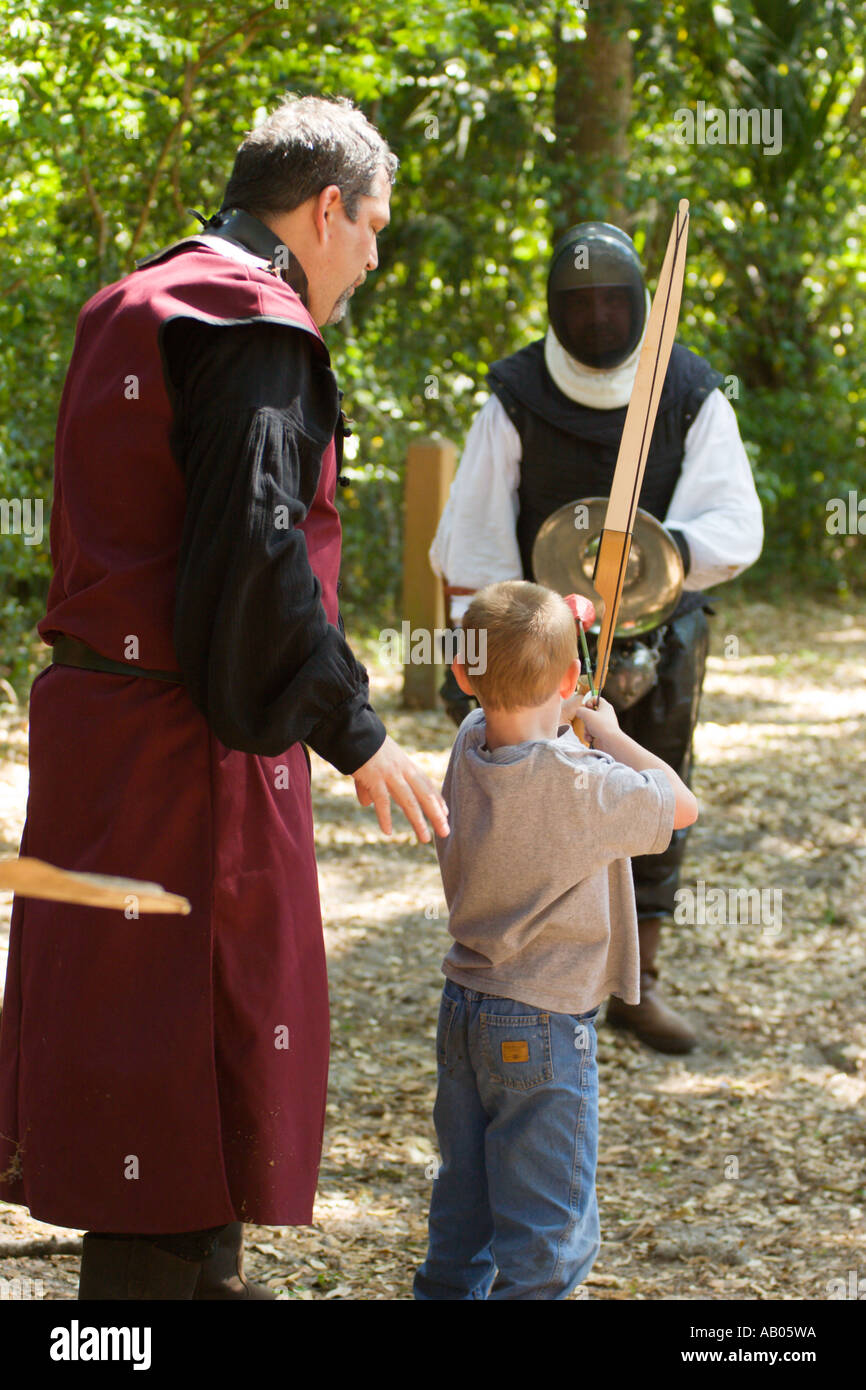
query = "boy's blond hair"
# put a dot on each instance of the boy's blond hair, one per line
(531, 639)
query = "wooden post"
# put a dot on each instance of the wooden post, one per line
(429, 470)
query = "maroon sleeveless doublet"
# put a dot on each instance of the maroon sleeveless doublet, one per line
(161, 1073)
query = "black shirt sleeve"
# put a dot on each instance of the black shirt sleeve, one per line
(255, 408)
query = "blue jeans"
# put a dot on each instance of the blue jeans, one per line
(513, 1212)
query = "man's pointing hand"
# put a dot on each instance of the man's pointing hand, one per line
(391, 773)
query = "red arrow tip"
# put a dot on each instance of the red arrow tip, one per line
(582, 609)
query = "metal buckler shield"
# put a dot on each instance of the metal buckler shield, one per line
(563, 558)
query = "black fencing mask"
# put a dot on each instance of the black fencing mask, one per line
(596, 297)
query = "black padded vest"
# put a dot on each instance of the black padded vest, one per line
(569, 450)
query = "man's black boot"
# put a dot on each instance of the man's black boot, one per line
(222, 1273)
(133, 1268)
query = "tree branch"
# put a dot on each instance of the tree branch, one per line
(854, 115)
(249, 28)
(93, 199)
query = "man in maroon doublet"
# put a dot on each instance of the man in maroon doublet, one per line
(163, 1080)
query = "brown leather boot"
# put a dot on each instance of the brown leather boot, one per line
(222, 1273)
(133, 1268)
(651, 1020)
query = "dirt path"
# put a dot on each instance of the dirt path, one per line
(734, 1173)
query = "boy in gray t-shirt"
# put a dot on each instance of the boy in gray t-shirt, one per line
(542, 911)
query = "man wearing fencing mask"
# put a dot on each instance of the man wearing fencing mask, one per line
(548, 436)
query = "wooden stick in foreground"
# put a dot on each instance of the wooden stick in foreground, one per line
(33, 878)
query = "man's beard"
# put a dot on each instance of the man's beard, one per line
(340, 307)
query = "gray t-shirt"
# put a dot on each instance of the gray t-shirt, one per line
(535, 869)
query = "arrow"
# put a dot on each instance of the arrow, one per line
(615, 543)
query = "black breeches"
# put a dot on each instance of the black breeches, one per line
(664, 723)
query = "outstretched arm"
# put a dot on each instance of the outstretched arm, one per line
(608, 737)
(254, 413)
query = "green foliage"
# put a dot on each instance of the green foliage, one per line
(116, 117)
(777, 276)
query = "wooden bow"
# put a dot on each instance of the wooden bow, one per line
(615, 541)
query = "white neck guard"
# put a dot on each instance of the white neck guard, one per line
(600, 388)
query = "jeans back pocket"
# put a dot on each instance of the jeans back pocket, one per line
(517, 1050)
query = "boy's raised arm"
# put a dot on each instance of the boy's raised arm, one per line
(603, 728)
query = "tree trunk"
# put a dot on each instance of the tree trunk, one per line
(592, 109)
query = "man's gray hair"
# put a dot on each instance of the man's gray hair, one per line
(304, 145)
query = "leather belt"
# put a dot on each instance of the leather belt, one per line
(69, 651)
